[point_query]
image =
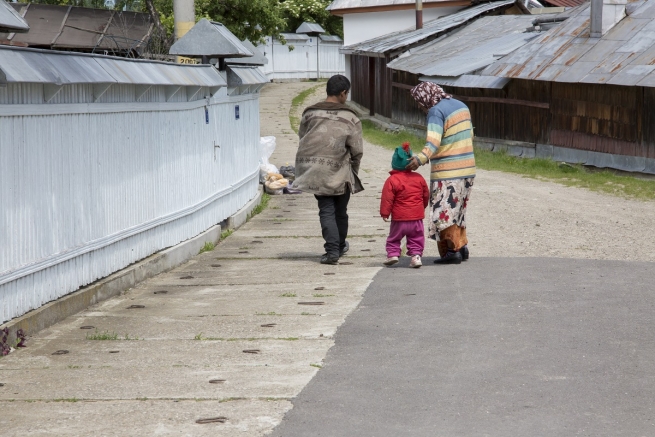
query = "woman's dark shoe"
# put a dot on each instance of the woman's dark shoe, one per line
(464, 251)
(329, 259)
(450, 258)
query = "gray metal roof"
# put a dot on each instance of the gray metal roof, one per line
(410, 37)
(10, 20)
(470, 48)
(623, 56)
(257, 59)
(62, 68)
(307, 27)
(295, 36)
(469, 81)
(330, 38)
(239, 76)
(208, 38)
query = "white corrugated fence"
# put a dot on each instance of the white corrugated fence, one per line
(91, 183)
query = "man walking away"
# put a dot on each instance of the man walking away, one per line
(327, 163)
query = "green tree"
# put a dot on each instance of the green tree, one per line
(297, 12)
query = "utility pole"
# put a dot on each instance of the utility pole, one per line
(419, 14)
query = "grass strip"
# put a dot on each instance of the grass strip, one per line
(571, 175)
(298, 101)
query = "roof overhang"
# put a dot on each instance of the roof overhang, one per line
(401, 7)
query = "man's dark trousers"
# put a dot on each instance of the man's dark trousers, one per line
(333, 212)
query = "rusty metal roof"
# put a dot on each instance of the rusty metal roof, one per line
(623, 56)
(10, 20)
(408, 38)
(468, 49)
(469, 81)
(62, 68)
(85, 29)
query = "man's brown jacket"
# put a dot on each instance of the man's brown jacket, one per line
(330, 151)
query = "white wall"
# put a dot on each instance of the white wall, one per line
(300, 63)
(364, 26)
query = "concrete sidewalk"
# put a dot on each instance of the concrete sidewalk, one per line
(234, 333)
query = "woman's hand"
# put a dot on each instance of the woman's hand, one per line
(413, 164)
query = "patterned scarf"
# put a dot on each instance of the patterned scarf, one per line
(428, 94)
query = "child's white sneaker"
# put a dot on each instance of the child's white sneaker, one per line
(415, 263)
(391, 261)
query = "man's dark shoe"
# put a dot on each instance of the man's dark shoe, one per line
(344, 250)
(450, 258)
(464, 251)
(329, 259)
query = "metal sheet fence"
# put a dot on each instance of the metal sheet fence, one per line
(300, 63)
(88, 191)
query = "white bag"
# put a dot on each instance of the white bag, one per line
(266, 149)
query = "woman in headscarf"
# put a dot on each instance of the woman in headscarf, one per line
(449, 149)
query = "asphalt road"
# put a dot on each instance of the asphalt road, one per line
(493, 347)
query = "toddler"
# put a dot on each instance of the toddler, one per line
(405, 196)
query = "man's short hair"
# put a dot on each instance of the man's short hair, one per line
(337, 84)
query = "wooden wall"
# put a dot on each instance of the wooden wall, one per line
(359, 77)
(600, 118)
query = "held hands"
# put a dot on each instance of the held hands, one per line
(413, 164)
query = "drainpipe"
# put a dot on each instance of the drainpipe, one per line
(419, 14)
(596, 27)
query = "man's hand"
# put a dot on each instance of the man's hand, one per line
(386, 219)
(413, 164)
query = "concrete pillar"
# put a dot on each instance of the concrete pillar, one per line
(184, 14)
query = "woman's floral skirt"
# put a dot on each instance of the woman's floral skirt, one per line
(448, 204)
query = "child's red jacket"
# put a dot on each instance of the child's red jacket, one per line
(404, 196)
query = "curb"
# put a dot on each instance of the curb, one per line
(114, 284)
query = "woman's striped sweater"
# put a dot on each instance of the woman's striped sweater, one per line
(449, 146)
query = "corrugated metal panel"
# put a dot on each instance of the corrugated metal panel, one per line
(239, 76)
(409, 37)
(295, 36)
(209, 38)
(623, 56)
(45, 66)
(331, 38)
(105, 190)
(310, 28)
(10, 20)
(470, 48)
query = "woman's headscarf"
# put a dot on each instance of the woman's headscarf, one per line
(428, 94)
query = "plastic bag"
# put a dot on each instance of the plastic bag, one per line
(266, 149)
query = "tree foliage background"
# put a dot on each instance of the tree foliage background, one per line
(251, 19)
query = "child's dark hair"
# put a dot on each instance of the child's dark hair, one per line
(337, 84)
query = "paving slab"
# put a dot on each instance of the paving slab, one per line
(493, 347)
(248, 418)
